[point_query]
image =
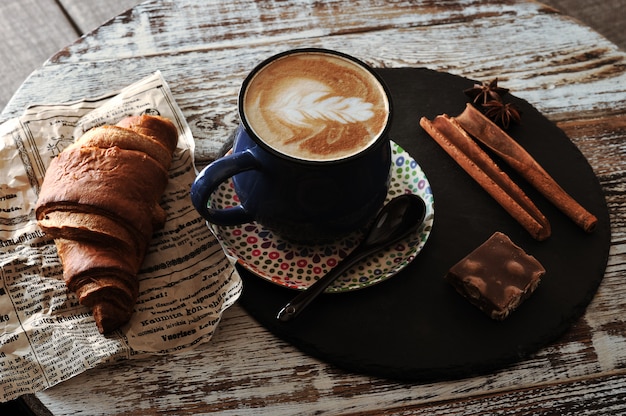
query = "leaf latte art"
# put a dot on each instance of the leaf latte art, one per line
(316, 106)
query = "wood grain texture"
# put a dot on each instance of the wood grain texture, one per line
(204, 49)
(88, 15)
(32, 30)
(211, 48)
(607, 17)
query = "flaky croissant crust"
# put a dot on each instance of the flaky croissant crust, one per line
(100, 202)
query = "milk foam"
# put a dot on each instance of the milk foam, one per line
(316, 107)
(309, 102)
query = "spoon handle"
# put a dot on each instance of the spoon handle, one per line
(302, 300)
(400, 217)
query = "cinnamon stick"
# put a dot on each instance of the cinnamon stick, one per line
(483, 129)
(475, 161)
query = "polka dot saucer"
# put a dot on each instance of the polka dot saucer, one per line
(299, 266)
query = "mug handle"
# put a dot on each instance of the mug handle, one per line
(211, 177)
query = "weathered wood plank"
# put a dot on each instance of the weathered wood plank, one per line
(26, 53)
(32, 30)
(214, 25)
(607, 17)
(88, 15)
(563, 399)
(554, 76)
(259, 385)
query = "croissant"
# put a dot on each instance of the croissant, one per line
(99, 201)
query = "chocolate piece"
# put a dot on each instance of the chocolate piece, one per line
(497, 276)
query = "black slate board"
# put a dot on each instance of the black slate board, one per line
(414, 326)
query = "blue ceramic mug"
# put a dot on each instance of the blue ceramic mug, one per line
(311, 158)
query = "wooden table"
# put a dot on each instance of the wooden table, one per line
(204, 49)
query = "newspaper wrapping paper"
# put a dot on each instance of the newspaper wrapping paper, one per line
(186, 281)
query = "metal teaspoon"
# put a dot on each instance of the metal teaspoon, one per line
(396, 220)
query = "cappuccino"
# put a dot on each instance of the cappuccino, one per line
(314, 105)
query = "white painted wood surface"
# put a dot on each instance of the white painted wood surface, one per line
(204, 50)
(33, 30)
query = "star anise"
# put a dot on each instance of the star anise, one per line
(486, 91)
(502, 113)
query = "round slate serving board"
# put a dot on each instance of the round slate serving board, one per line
(414, 326)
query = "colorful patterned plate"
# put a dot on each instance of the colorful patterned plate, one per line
(298, 266)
